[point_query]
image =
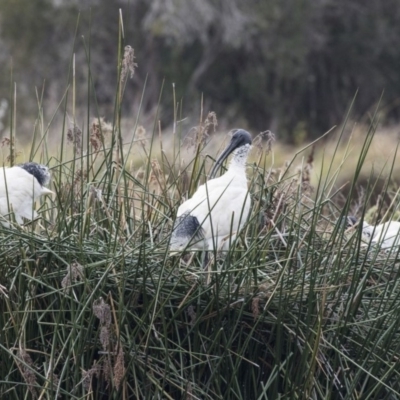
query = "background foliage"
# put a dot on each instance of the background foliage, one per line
(289, 65)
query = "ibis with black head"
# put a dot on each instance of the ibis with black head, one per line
(20, 186)
(217, 211)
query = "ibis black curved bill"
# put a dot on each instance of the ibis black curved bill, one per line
(239, 138)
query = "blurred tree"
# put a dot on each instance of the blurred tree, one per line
(289, 65)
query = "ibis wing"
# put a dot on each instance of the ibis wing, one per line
(220, 207)
(187, 230)
(224, 212)
(388, 234)
(215, 188)
(26, 210)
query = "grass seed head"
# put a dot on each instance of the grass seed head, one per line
(80, 176)
(6, 142)
(306, 174)
(210, 124)
(105, 337)
(119, 368)
(128, 64)
(74, 273)
(99, 130)
(264, 142)
(27, 372)
(12, 158)
(102, 311)
(106, 370)
(156, 178)
(198, 136)
(140, 136)
(87, 376)
(74, 137)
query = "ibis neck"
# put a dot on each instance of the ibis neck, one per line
(238, 162)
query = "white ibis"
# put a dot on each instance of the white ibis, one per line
(20, 186)
(217, 211)
(386, 235)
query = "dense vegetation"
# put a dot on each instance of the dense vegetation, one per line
(290, 66)
(93, 306)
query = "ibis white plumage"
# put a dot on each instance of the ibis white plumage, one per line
(217, 211)
(386, 235)
(20, 186)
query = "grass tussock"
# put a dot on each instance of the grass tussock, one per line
(94, 307)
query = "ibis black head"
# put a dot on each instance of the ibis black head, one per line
(239, 139)
(351, 221)
(348, 221)
(39, 171)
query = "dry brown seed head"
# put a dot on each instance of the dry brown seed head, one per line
(74, 137)
(156, 168)
(100, 128)
(11, 158)
(202, 132)
(106, 370)
(119, 368)
(128, 63)
(140, 135)
(96, 193)
(140, 174)
(87, 376)
(210, 123)
(6, 141)
(74, 273)
(98, 131)
(26, 369)
(105, 337)
(102, 311)
(80, 175)
(264, 141)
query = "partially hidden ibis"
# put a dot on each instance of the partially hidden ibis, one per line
(20, 186)
(385, 235)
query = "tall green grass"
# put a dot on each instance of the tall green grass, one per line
(96, 308)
